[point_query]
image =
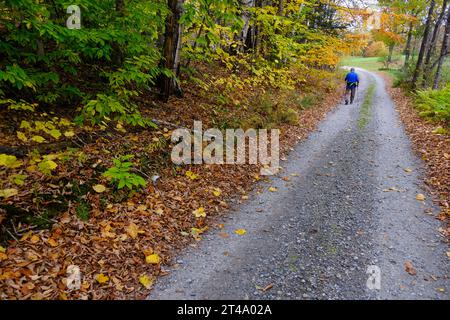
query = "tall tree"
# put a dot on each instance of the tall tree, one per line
(424, 45)
(171, 50)
(444, 53)
(433, 42)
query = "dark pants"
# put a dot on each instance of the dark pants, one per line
(351, 89)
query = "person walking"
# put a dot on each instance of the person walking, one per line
(352, 82)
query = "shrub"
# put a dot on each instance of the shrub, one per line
(435, 104)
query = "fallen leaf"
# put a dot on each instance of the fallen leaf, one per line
(268, 287)
(152, 258)
(420, 197)
(146, 281)
(199, 213)
(3, 256)
(99, 188)
(34, 239)
(191, 175)
(224, 235)
(410, 269)
(52, 242)
(133, 230)
(273, 189)
(101, 278)
(240, 231)
(217, 192)
(408, 170)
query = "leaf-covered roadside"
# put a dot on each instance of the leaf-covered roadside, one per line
(432, 146)
(123, 245)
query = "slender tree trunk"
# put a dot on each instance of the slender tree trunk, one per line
(280, 7)
(432, 45)
(246, 18)
(444, 53)
(424, 45)
(120, 5)
(408, 45)
(257, 40)
(391, 53)
(117, 53)
(172, 46)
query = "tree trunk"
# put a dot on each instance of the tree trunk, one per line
(424, 45)
(246, 19)
(391, 53)
(432, 45)
(444, 53)
(280, 7)
(408, 45)
(120, 5)
(117, 53)
(171, 48)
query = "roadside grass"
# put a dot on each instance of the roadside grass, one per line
(370, 64)
(364, 113)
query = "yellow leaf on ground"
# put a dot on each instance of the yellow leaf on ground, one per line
(146, 281)
(199, 213)
(142, 207)
(420, 197)
(3, 256)
(217, 192)
(52, 242)
(448, 254)
(240, 231)
(6, 193)
(132, 230)
(99, 188)
(152, 259)
(34, 239)
(408, 170)
(191, 175)
(101, 278)
(2, 249)
(273, 189)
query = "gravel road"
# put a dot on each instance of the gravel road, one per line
(351, 206)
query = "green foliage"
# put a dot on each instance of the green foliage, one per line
(83, 211)
(101, 65)
(121, 175)
(435, 104)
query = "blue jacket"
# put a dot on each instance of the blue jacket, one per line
(352, 78)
